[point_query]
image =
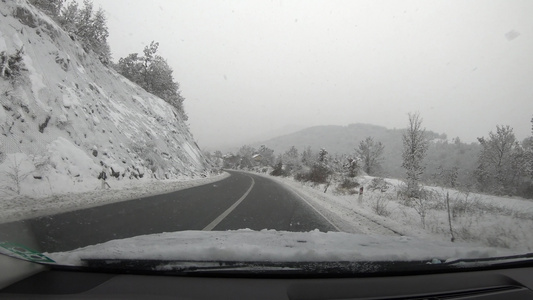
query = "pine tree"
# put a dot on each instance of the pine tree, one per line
(351, 166)
(320, 169)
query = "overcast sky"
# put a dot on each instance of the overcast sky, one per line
(247, 68)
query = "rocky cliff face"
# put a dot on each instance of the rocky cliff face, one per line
(64, 116)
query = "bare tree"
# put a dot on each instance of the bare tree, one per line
(415, 146)
(371, 154)
(14, 176)
(501, 161)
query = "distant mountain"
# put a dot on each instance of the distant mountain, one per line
(336, 139)
(345, 139)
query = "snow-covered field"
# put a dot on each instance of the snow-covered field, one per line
(487, 220)
(24, 207)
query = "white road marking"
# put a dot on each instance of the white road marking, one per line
(229, 210)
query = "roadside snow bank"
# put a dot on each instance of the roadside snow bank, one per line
(273, 246)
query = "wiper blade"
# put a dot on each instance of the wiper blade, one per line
(178, 267)
(510, 259)
(222, 266)
(234, 267)
(306, 268)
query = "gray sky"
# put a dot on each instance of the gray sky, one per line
(247, 68)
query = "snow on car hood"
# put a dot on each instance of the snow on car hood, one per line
(276, 246)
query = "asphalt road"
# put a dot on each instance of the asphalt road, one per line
(239, 201)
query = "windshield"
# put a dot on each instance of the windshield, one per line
(301, 136)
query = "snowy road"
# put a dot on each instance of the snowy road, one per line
(238, 202)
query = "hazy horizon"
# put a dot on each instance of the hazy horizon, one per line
(249, 68)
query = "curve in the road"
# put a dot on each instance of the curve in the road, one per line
(263, 205)
(229, 210)
(270, 205)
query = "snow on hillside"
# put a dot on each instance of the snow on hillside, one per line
(68, 116)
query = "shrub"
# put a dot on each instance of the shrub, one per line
(302, 176)
(379, 184)
(379, 206)
(525, 190)
(319, 173)
(464, 206)
(278, 170)
(11, 66)
(348, 184)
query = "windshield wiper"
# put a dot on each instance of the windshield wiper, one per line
(325, 268)
(490, 261)
(187, 267)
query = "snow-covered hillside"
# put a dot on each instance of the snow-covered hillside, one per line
(67, 116)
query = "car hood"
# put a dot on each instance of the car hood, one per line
(275, 246)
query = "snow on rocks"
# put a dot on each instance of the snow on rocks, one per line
(69, 116)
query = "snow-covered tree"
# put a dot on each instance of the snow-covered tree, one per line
(87, 25)
(50, 7)
(153, 74)
(320, 170)
(69, 16)
(501, 161)
(307, 157)
(291, 159)
(97, 38)
(371, 154)
(323, 156)
(352, 166)
(278, 167)
(415, 146)
(494, 161)
(267, 155)
(246, 151)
